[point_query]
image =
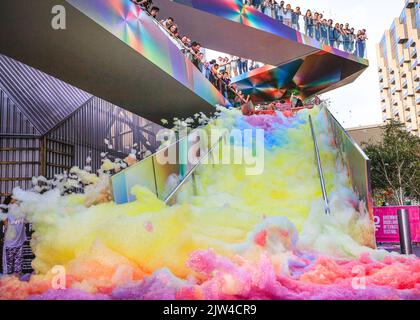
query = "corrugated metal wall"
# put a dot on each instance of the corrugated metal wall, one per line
(19, 162)
(48, 126)
(19, 147)
(12, 120)
(59, 157)
(97, 120)
(43, 99)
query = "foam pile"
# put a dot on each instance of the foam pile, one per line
(241, 237)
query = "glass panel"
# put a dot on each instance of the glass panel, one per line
(141, 173)
(170, 168)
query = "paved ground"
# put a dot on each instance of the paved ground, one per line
(416, 249)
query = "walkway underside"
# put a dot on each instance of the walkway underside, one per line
(118, 54)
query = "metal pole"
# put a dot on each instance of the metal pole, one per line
(404, 229)
(320, 172)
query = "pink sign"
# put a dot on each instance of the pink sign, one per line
(386, 223)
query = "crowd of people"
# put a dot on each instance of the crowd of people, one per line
(218, 72)
(337, 35)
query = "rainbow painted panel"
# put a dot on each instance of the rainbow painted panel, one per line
(268, 83)
(168, 174)
(308, 76)
(162, 172)
(320, 71)
(140, 174)
(236, 11)
(133, 26)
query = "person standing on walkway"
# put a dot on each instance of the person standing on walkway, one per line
(309, 23)
(296, 14)
(15, 238)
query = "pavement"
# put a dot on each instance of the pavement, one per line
(396, 248)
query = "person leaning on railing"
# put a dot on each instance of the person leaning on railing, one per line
(324, 32)
(186, 41)
(234, 67)
(225, 84)
(167, 22)
(316, 26)
(274, 9)
(256, 4)
(222, 64)
(280, 11)
(309, 23)
(265, 8)
(145, 4)
(287, 15)
(352, 40)
(346, 37)
(330, 30)
(193, 52)
(361, 43)
(173, 29)
(296, 14)
(154, 11)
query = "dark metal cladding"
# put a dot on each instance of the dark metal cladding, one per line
(86, 130)
(12, 120)
(47, 126)
(41, 98)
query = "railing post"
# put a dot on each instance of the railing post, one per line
(404, 230)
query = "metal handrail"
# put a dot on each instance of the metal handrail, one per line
(192, 171)
(356, 145)
(320, 171)
(184, 49)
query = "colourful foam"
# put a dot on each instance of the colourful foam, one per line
(240, 237)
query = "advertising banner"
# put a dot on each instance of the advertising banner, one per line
(386, 223)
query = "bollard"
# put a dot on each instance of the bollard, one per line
(404, 229)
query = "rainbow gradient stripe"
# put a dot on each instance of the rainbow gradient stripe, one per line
(236, 11)
(268, 83)
(134, 27)
(311, 75)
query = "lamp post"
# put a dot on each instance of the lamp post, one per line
(404, 230)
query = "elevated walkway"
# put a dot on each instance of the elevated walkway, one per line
(292, 59)
(112, 50)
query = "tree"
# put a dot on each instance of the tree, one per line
(395, 165)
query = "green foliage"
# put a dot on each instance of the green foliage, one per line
(395, 165)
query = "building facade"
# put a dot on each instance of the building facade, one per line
(48, 126)
(367, 134)
(399, 68)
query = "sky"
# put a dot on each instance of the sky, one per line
(358, 104)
